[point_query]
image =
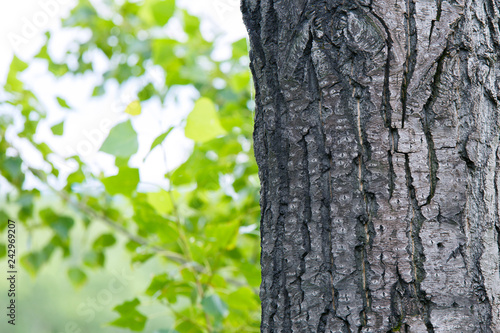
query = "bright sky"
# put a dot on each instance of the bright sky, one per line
(22, 28)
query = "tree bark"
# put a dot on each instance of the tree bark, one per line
(377, 139)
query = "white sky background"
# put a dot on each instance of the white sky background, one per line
(83, 126)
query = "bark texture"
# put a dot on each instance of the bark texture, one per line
(377, 139)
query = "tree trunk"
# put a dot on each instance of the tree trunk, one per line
(377, 139)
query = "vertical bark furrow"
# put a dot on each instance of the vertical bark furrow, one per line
(411, 56)
(402, 303)
(428, 122)
(386, 107)
(416, 249)
(436, 19)
(365, 219)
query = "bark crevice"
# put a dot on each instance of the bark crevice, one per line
(428, 122)
(416, 249)
(439, 9)
(411, 56)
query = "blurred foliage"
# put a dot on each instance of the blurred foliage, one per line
(206, 233)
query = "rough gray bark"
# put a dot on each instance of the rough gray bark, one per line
(377, 139)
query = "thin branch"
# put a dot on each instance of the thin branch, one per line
(110, 223)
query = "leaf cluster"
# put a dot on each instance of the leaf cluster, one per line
(203, 224)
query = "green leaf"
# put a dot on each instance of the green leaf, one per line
(200, 169)
(130, 318)
(60, 224)
(58, 69)
(169, 330)
(62, 102)
(163, 11)
(121, 162)
(240, 48)
(77, 277)
(11, 170)
(147, 92)
(98, 91)
(214, 280)
(76, 177)
(214, 306)
(240, 81)
(58, 129)
(251, 273)
(3, 250)
(165, 230)
(159, 283)
(121, 141)
(26, 202)
(43, 148)
(224, 235)
(132, 246)
(203, 123)
(187, 326)
(141, 257)
(13, 84)
(4, 218)
(125, 182)
(160, 138)
(149, 222)
(47, 215)
(33, 261)
(162, 201)
(134, 108)
(163, 51)
(94, 259)
(169, 289)
(191, 24)
(243, 299)
(104, 241)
